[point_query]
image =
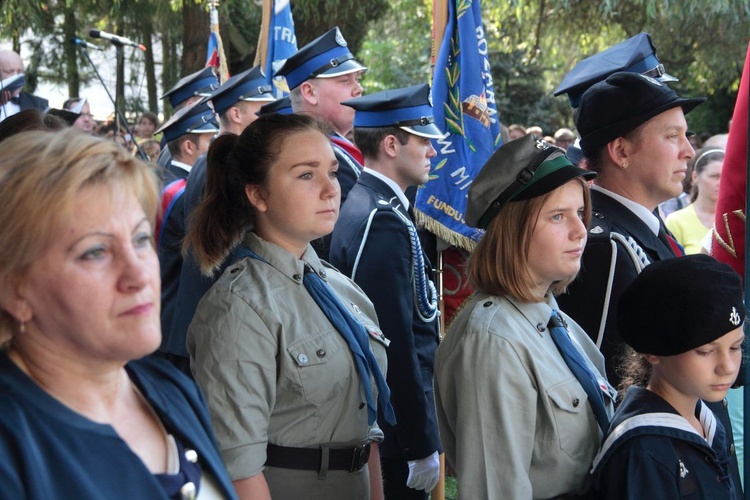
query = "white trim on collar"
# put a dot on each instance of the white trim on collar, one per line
(639, 210)
(391, 184)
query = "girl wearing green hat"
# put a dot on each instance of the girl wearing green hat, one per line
(521, 397)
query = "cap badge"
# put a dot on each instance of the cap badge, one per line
(734, 318)
(340, 38)
(541, 144)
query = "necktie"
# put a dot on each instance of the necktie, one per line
(669, 240)
(580, 369)
(355, 335)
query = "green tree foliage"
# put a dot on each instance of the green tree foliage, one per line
(533, 43)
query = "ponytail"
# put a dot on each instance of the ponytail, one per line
(217, 224)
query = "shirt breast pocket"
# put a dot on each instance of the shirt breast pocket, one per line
(324, 366)
(574, 430)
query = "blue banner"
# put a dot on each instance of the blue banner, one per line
(464, 108)
(282, 42)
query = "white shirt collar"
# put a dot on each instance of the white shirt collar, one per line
(184, 166)
(639, 210)
(391, 184)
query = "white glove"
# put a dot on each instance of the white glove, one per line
(424, 473)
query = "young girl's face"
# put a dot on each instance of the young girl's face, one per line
(706, 372)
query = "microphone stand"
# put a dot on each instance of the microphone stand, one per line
(119, 116)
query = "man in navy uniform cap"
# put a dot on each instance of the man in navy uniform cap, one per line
(236, 102)
(192, 88)
(375, 242)
(320, 76)
(188, 90)
(188, 134)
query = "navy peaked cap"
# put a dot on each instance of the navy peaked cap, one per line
(634, 55)
(200, 83)
(325, 57)
(408, 108)
(197, 118)
(249, 85)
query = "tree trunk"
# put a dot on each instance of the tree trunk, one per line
(170, 71)
(194, 36)
(71, 52)
(147, 30)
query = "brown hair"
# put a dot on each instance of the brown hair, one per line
(29, 119)
(633, 370)
(219, 222)
(499, 264)
(41, 174)
(596, 161)
(368, 139)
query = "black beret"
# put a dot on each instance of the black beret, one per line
(620, 104)
(521, 169)
(676, 305)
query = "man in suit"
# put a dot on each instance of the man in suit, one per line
(320, 76)
(236, 102)
(375, 242)
(17, 100)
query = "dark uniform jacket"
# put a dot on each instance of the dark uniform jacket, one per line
(192, 284)
(170, 256)
(651, 451)
(372, 245)
(609, 264)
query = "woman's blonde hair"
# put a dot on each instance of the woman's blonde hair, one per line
(499, 264)
(41, 173)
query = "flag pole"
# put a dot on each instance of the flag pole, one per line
(439, 20)
(213, 15)
(261, 54)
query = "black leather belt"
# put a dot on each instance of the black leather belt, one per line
(351, 459)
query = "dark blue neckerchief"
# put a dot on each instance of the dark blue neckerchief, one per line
(580, 369)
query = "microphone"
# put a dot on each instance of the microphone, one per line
(77, 41)
(116, 40)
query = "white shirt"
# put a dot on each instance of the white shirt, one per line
(184, 166)
(391, 184)
(639, 210)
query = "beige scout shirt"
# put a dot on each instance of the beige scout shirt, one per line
(514, 420)
(272, 366)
